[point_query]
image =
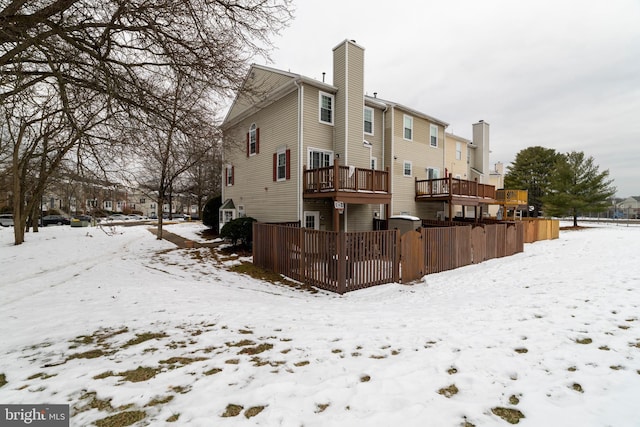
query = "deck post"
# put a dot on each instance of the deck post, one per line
(336, 175)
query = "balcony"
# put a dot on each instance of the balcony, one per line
(348, 184)
(455, 191)
(512, 198)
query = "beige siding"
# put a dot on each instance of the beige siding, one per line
(376, 139)
(259, 83)
(263, 198)
(317, 134)
(453, 165)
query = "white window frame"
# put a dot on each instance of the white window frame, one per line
(332, 99)
(368, 109)
(225, 214)
(253, 141)
(405, 128)
(433, 133)
(316, 219)
(229, 176)
(281, 155)
(458, 150)
(374, 163)
(327, 154)
(404, 168)
(108, 205)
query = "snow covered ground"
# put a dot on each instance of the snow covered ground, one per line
(129, 327)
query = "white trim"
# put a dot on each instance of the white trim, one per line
(316, 219)
(372, 120)
(253, 134)
(404, 119)
(431, 128)
(329, 153)
(333, 107)
(404, 170)
(280, 151)
(373, 162)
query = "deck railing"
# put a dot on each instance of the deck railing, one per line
(512, 197)
(345, 178)
(448, 187)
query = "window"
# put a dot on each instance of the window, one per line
(142, 201)
(107, 205)
(458, 151)
(406, 168)
(433, 173)
(227, 215)
(320, 158)
(374, 163)
(408, 128)
(253, 143)
(312, 220)
(282, 165)
(326, 108)
(229, 174)
(434, 136)
(368, 120)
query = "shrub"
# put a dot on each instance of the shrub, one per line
(239, 230)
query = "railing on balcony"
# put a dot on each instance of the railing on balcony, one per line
(345, 178)
(453, 187)
(512, 197)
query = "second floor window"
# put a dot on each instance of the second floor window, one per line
(142, 201)
(326, 108)
(458, 151)
(229, 175)
(406, 170)
(282, 165)
(408, 128)
(368, 120)
(434, 136)
(253, 143)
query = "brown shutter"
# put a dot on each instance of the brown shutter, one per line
(275, 166)
(257, 140)
(288, 164)
(247, 144)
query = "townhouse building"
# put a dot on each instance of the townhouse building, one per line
(334, 158)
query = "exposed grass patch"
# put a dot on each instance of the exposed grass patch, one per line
(447, 392)
(3, 380)
(365, 379)
(377, 356)
(336, 350)
(303, 363)
(513, 399)
(577, 387)
(104, 334)
(257, 349)
(159, 401)
(604, 348)
(182, 360)
(452, 371)
(213, 371)
(320, 407)
(572, 369)
(95, 403)
(40, 375)
(243, 343)
(181, 389)
(395, 352)
(141, 373)
(511, 416)
(253, 411)
(616, 367)
(623, 327)
(636, 345)
(104, 375)
(245, 331)
(584, 341)
(121, 419)
(252, 270)
(173, 418)
(257, 361)
(232, 361)
(356, 354)
(146, 336)
(82, 340)
(232, 410)
(521, 350)
(91, 354)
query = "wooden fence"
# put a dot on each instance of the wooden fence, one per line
(338, 262)
(343, 262)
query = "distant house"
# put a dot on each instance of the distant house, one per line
(629, 207)
(331, 157)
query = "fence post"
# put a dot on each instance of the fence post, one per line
(396, 256)
(302, 266)
(342, 262)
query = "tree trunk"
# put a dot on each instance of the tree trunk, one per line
(160, 216)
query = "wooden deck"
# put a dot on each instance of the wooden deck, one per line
(455, 191)
(348, 184)
(512, 198)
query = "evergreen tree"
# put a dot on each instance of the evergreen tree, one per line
(577, 187)
(531, 171)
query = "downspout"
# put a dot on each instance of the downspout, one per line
(392, 157)
(384, 113)
(346, 126)
(300, 154)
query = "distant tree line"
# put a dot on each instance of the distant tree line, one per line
(561, 185)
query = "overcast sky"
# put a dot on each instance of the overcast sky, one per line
(561, 74)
